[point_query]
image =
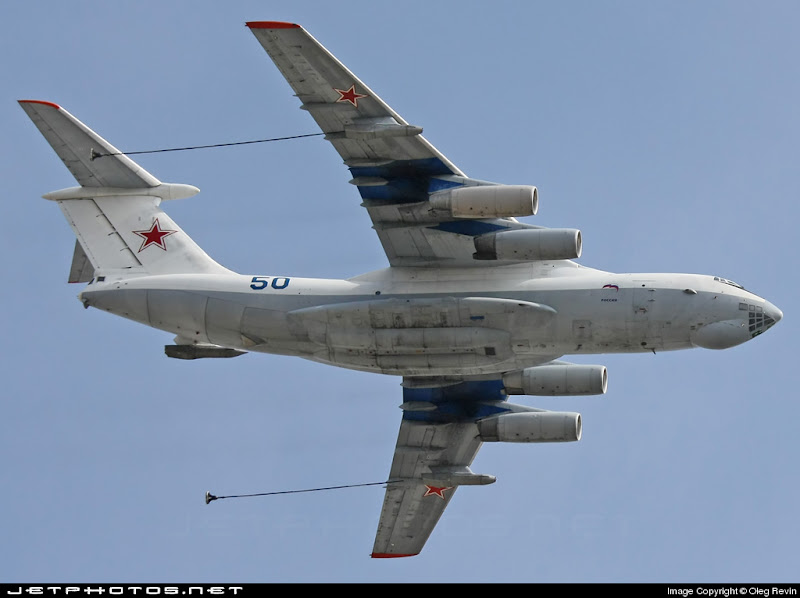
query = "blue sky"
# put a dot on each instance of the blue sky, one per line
(666, 132)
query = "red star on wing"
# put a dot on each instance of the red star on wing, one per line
(350, 95)
(434, 491)
(154, 236)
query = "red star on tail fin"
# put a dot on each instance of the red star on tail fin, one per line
(154, 236)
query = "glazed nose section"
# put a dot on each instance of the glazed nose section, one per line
(772, 315)
(760, 319)
(754, 320)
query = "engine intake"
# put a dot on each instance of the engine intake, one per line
(530, 244)
(558, 380)
(487, 201)
(540, 426)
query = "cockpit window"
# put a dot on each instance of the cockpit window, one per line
(730, 282)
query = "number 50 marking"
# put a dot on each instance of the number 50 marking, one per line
(262, 282)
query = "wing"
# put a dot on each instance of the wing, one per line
(445, 422)
(438, 440)
(407, 185)
(413, 504)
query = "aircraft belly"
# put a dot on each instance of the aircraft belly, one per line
(419, 341)
(425, 335)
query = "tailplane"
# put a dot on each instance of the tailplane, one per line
(115, 215)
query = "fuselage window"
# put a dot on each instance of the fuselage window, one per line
(730, 282)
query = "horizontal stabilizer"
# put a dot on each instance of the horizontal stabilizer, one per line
(77, 146)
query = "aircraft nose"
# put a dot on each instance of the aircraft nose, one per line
(763, 319)
(770, 311)
(724, 334)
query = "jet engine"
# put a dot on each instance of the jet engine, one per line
(529, 244)
(539, 426)
(487, 201)
(558, 380)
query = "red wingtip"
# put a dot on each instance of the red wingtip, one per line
(51, 104)
(271, 25)
(386, 555)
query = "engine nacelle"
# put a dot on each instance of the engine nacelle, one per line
(555, 380)
(487, 201)
(539, 426)
(530, 244)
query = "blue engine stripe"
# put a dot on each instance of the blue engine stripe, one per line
(480, 390)
(440, 185)
(404, 169)
(409, 181)
(466, 401)
(472, 228)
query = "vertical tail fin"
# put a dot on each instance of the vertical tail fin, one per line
(115, 211)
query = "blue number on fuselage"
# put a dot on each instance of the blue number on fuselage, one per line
(259, 283)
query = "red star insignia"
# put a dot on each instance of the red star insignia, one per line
(434, 491)
(154, 236)
(350, 95)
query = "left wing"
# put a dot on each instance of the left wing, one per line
(437, 443)
(424, 209)
(444, 424)
(415, 496)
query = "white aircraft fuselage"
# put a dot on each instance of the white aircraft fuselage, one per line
(416, 322)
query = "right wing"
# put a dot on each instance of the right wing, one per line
(363, 129)
(408, 187)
